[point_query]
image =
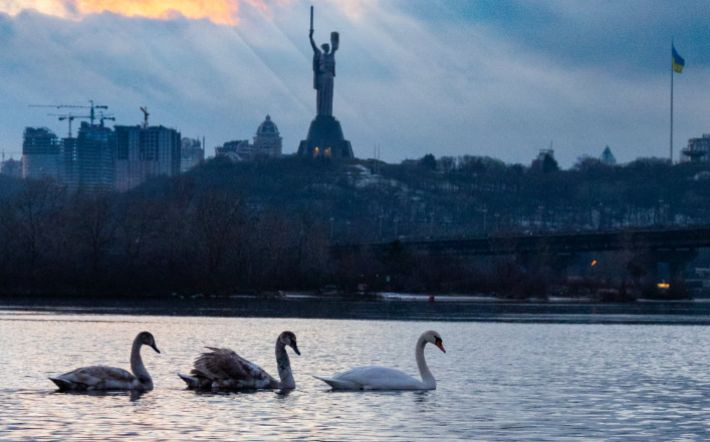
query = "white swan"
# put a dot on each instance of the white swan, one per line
(102, 378)
(382, 378)
(223, 369)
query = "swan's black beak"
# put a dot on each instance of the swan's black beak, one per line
(439, 343)
(155, 347)
(295, 348)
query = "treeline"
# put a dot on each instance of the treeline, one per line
(269, 225)
(198, 233)
(173, 236)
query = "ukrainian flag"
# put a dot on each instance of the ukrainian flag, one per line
(678, 61)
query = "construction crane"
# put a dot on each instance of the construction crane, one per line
(93, 107)
(146, 114)
(103, 117)
(70, 119)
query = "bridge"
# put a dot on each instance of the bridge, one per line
(647, 248)
(666, 239)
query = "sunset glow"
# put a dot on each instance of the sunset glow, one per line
(218, 11)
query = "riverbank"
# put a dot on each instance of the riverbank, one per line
(398, 307)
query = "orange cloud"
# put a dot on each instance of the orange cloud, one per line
(224, 12)
(218, 11)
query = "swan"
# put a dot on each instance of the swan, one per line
(382, 378)
(102, 378)
(223, 369)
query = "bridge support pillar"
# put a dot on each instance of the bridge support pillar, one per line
(661, 273)
(553, 267)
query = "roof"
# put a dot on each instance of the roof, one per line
(267, 127)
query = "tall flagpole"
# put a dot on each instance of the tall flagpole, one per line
(671, 102)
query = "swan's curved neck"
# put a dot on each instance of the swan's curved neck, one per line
(427, 377)
(284, 365)
(137, 366)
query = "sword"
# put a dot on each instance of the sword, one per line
(311, 18)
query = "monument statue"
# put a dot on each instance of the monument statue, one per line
(325, 136)
(324, 72)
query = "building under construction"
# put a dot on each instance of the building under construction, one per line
(145, 151)
(40, 154)
(100, 157)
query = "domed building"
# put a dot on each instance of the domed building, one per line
(268, 141)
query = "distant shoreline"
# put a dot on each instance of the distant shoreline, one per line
(472, 309)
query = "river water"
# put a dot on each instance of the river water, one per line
(497, 381)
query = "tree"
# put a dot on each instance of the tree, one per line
(428, 162)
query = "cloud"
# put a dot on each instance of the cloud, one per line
(217, 11)
(446, 77)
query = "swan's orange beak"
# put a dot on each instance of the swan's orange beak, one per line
(439, 343)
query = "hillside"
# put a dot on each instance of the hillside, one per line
(268, 225)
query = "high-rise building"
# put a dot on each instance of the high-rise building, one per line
(129, 167)
(160, 150)
(105, 158)
(192, 154)
(69, 173)
(95, 157)
(40, 154)
(143, 152)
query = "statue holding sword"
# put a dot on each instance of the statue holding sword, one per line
(324, 71)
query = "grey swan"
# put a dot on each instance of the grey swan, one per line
(102, 378)
(223, 369)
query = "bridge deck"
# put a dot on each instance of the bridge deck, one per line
(559, 243)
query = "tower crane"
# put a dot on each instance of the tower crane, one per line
(146, 114)
(70, 119)
(102, 117)
(93, 107)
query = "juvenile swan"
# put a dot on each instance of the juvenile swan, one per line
(102, 378)
(223, 369)
(381, 378)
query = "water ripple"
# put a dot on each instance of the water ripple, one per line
(498, 381)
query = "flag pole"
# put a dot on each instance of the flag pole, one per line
(671, 141)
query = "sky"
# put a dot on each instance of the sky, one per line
(499, 78)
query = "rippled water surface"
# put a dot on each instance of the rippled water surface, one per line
(497, 381)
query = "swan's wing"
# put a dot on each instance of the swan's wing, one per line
(378, 378)
(219, 363)
(223, 364)
(337, 384)
(98, 377)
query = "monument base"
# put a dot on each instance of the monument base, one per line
(325, 139)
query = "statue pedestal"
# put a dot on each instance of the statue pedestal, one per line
(325, 139)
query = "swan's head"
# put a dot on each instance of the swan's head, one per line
(146, 338)
(434, 338)
(289, 338)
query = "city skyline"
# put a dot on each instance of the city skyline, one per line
(502, 79)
